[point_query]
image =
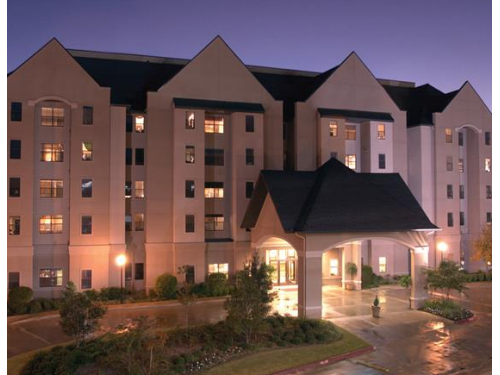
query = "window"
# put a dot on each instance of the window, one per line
(52, 116)
(50, 224)
(487, 165)
(16, 111)
(460, 139)
(381, 131)
(449, 163)
(334, 267)
(214, 222)
(249, 123)
(461, 165)
(249, 156)
(88, 115)
(350, 132)
(128, 272)
(190, 123)
(214, 124)
(15, 149)
(129, 123)
(189, 224)
(488, 217)
(139, 156)
(190, 156)
(462, 218)
(448, 135)
(488, 191)
(86, 224)
(14, 225)
(218, 268)
(14, 187)
(449, 191)
(50, 277)
(189, 274)
(248, 189)
(450, 219)
(487, 138)
(128, 189)
(86, 188)
(86, 279)
(214, 190)
(382, 264)
(189, 189)
(334, 129)
(14, 280)
(462, 192)
(128, 156)
(139, 124)
(214, 156)
(51, 188)
(350, 161)
(139, 271)
(381, 161)
(52, 152)
(139, 222)
(128, 223)
(139, 189)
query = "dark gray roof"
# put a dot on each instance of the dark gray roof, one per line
(355, 115)
(420, 102)
(218, 105)
(336, 199)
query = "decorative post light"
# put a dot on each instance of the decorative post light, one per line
(121, 260)
(442, 247)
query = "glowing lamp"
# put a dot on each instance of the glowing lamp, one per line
(121, 260)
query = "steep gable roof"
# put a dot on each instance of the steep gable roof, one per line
(336, 199)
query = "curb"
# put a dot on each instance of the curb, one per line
(325, 362)
(465, 321)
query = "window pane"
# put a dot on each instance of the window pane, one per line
(14, 187)
(128, 223)
(488, 191)
(16, 111)
(450, 219)
(52, 152)
(382, 264)
(86, 188)
(381, 131)
(381, 161)
(189, 274)
(52, 116)
(190, 122)
(249, 124)
(139, 222)
(139, 156)
(487, 165)
(88, 115)
(139, 189)
(350, 132)
(462, 192)
(448, 135)
(50, 277)
(487, 138)
(15, 149)
(214, 156)
(51, 224)
(214, 189)
(214, 222)
(51, 188)
(86, 279)
(460, 139)
(462, 218)
(449, 163)
(214, 124)
(14, 225)
(86, 224)
(334, 129)
(139, 124)
(461, 165)
(128, 156)
(249, 156)
(139, 271)
(128, 189)
(189, 193)
(350, 161)
(248, 189)
(190, 156)
(449, 191)
(189, 224)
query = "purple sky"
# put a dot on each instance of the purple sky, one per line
(442, 42)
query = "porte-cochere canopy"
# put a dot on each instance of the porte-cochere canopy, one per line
(316, 211)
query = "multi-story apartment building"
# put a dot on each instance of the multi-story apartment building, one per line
(157, 158)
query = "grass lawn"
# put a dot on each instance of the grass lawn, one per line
(268, 362)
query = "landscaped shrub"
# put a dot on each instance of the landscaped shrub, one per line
(111, 294)
(217, 285)
(447, 309)
(368, 278)
(19, 298)
(166, 286)
(92, 294)
(35, 307)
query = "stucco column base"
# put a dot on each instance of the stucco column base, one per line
(310, 285)
(417, 303)
(419, 262)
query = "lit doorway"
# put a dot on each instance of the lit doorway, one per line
(284, 262)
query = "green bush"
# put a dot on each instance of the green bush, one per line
(19, 298)
(368, 278)
(217, 285)
(447, 309)
(92, 294)
(166, 286)
(405, 281)
(111, 294)
(35, 307)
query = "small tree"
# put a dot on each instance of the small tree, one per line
(185, 294)
(250, 300)
(482, 246)
(80, 315)
(446, 277)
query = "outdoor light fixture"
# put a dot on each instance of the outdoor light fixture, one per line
(121, 260)
(442, 246)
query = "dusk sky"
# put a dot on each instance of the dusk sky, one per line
(443, 42)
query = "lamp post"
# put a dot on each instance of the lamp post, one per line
(442, 247)
(120, 262)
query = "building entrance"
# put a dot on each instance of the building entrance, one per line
(284, 262)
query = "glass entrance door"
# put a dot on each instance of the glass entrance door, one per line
(284, 265)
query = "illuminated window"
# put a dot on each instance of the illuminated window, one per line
(139, 222)
(461, 165)
(487, 165)
(189, 153)
(51, 188)
(52, 116)
(382, 264)
(488, 191)
(350, 132)
(190, 124)
(86, 279)
(381, 131)
(350, 161)
(86, 188)
(86, 224)
(214, 156)
(88, 115)
(128, 189)
(214, 222)
(189, 225)
(189, 189)
(139, 124)
(334, 129)
(139, 189)
(334, 267)
(50, 224)
(14, 225)
(218, 268)
(449, 191)
(52, 152)
(449, 163)
(214, 190)
(249, 123)
(448, 135)
(214, 124)
(50, 277)
(86, 151)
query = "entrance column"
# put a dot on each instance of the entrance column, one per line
(309, 280)
(351, 253)
(419, 262)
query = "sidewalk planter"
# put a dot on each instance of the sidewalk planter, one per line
(376, 308)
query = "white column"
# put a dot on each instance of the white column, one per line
(419, 262)
(309, 279)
